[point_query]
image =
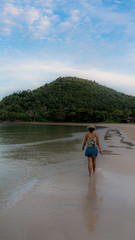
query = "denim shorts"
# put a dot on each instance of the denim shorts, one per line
(91, 152)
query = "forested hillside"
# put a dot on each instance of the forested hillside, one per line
(68, 99)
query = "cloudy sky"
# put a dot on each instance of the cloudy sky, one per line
(41, 40)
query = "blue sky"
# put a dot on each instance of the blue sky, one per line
(41, 40)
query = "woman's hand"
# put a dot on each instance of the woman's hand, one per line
(82, 148)
(101, 152)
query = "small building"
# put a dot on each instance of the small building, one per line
(129, 120)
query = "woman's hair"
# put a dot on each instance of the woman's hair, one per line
(91, 130)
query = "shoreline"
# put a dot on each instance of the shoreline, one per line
(127, 128)
(67, 123)
(45, 123)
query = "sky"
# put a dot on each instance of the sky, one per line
(41, 40)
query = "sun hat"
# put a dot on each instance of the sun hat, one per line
(91, 126)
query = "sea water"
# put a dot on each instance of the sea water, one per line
(26, 151)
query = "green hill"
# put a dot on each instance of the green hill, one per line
(68, 99)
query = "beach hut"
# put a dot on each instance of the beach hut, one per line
(128, 120)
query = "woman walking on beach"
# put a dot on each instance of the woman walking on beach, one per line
(91, 152)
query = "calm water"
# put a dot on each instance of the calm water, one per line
(27, 150)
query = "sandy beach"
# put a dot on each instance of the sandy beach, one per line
(68, 205)
(128, 129)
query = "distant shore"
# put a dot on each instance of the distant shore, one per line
(66, 123)
(45, 123)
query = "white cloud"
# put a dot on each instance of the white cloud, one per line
(65, 25)
(32, 21)
(6, 31)
(28, 74)
(8, 22)
(49, 11)
(118, 2)
(106, 16)
(75, 15)
(44, 3)
(44, 24)
(12, 10)
(22, 13)
(85, 3)
(9, 18)
(31, 15)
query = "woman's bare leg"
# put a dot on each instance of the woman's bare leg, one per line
(90, 166)
(94, 164)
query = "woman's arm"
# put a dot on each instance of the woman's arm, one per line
(85, 140)
(98, 144)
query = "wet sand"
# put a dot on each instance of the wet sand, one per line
(129, 129)
(69, 205)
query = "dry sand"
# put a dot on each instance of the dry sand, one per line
(69, 205)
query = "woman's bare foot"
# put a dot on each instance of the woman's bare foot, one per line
(90, 175)
(94, 171)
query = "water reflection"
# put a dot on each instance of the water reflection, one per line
(42, 153)
(23, 134)
(92, 205)
(26, 150)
